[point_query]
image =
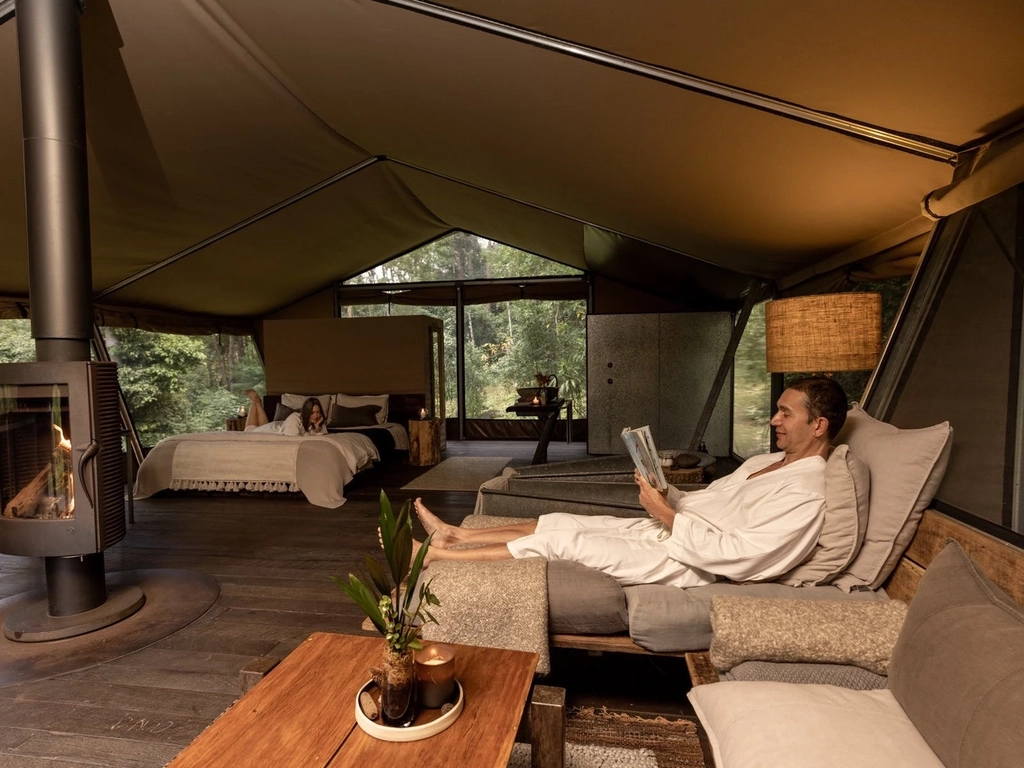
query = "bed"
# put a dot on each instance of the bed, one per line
(318, 466)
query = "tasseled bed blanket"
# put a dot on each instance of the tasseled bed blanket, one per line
(207, 467)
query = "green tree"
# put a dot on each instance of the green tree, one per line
(16, 342)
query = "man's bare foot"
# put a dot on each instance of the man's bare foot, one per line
(442, 535)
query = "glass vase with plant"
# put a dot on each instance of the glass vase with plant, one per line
(387, 599)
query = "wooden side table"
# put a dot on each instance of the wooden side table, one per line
(424, 442)
(235, 424)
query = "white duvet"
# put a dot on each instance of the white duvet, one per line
(319, 466)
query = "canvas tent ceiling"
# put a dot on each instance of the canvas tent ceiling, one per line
(247, 153)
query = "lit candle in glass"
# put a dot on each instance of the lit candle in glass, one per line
(435, 675)
(535, 401)
(423, 413)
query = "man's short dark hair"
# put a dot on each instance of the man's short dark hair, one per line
(825, 397)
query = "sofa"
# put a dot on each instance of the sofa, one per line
(879, 481)
(956, 683)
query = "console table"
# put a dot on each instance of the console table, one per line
(548, 414)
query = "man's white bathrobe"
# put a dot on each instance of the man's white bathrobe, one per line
(737, 528)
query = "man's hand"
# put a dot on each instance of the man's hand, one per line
(654, 501)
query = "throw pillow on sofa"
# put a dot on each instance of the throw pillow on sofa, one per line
(906, 468)
(847, 487)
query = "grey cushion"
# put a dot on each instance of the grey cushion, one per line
(847, 483)
(360, 416)
(805, 673)
(958, 665)
(669, 619)
(584, 601)
(282, 412)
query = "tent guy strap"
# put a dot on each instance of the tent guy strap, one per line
(933, 150)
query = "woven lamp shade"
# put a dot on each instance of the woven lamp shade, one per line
(826, 333)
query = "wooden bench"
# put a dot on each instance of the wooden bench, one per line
(1001, 561)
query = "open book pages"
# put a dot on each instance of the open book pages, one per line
(640, 444)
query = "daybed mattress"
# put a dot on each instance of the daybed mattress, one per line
(318, 466)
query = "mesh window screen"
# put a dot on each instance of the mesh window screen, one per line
(965, 365)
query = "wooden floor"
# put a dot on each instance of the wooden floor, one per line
(273, 558)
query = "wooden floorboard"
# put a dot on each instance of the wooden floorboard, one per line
(273, 557)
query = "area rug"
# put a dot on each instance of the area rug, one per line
(459, 473)
(603, 739)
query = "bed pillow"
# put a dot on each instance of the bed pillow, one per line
(354, 401)
(361, 416)
(847, 482)
(958, 666)
(295, 402)
(807, 726)
(282, 412)
(906, 467)
(824, 631)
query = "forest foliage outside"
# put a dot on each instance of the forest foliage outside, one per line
(172, 383)
(507, 343)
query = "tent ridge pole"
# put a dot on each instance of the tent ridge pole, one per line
(553, 212)
(927, 148)
(238, 226)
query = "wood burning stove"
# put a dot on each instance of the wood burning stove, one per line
(61, 465)
(62, 492)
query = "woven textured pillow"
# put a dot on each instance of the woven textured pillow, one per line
(906, 468)
(826, 631)
(847, 483)
(958, 666)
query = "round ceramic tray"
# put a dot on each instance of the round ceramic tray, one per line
(428, 722)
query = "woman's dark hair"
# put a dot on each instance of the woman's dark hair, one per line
(825, 397)
(307, 411)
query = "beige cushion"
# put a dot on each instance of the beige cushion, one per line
(958, 667)
(354, 401)
(828, 631)
(847, 483)
(906, 467)
(780, 725)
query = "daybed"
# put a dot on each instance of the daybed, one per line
(318, 466)
(955, 685)
(893, 472)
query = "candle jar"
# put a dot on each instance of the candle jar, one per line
(435, 675)
(423, 413)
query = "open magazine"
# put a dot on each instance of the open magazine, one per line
(640, 444)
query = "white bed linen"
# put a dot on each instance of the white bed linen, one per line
(319, 466)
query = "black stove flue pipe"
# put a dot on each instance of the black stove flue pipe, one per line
(57, 207)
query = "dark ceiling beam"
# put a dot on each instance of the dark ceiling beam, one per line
(927, 148)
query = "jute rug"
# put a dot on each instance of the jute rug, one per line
(602, 739)
(459, 473)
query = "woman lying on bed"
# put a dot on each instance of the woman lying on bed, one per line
(309, 421)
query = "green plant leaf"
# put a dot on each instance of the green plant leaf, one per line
(417, 566)
(402, 552)
(387, 529)
(378, 576)
(364, 599)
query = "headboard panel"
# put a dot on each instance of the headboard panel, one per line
(401, 408)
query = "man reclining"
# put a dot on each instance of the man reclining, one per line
(752, 525)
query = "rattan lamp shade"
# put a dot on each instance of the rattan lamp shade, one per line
(826, 333)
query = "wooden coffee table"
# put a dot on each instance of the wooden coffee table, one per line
(303, 713)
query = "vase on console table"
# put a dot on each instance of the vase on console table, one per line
(387, 597)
